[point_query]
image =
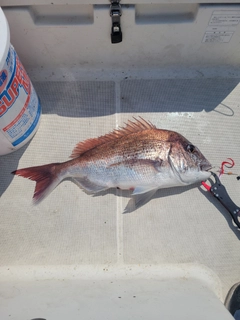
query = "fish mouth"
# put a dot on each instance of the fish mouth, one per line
(205, 166)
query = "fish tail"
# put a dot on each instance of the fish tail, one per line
(46, 177)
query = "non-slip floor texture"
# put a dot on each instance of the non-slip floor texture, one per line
(179, 225)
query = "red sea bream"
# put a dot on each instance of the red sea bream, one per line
(138, 157)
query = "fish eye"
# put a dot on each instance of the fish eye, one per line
(190, 148)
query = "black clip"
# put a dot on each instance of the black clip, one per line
(219, 191)
(115, 13)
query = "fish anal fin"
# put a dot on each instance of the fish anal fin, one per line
(89, 186)
(137, 125)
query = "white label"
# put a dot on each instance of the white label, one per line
(221, 26)
(19, 105)
(217, 36)
(225, 18)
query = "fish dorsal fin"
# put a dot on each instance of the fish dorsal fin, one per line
(131, 127)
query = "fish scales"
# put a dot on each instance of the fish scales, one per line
(116, 162)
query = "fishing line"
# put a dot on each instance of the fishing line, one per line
(228, 164)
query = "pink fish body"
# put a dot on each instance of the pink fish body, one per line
(139, 157)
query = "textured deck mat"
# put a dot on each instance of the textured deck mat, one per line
(179, 225)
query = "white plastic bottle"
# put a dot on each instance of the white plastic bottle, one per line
(20, 108)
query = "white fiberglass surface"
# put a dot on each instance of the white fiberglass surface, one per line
(179, 225)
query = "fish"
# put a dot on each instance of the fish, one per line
(138, 157)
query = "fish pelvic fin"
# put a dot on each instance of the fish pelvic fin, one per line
(138, 200)
(46, 178)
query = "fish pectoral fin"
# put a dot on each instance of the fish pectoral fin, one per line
(89, 186)
(138, 164)
(139, 200)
